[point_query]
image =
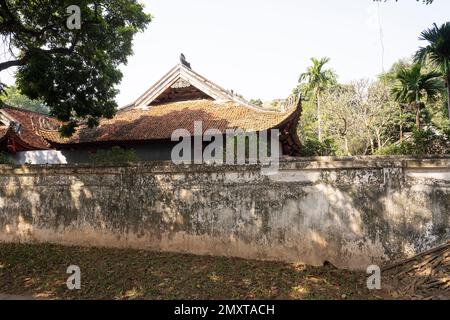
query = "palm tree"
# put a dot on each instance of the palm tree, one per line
(413, 87)
(317, 80)
(437, 52)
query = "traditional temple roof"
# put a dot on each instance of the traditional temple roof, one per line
(19, 129)
(181, 84)
(159, 121)
(176, 101)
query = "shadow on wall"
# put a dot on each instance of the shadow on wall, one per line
(19, 206)
(353, 216)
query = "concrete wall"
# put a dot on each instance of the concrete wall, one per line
(349, 211)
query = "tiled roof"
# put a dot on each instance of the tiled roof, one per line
(29, 123)
(157, 122)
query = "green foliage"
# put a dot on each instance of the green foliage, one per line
(313, 82)
(363, 118)
(14, 98)
(421, 143)
(4, 159)
(312, 147)
(316, 78)
(256, 102)
(308, 120)
(414, 85)
(114, 155)
(438, 48)
(437, 52)
(74, 72)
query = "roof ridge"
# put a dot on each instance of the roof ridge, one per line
(251, 107)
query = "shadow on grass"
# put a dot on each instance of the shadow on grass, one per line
(40, 270)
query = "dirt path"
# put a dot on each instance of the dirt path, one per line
(40, 271)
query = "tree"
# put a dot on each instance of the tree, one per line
(256, 102)
(414, 86)
(379, 110)
(339, 120)
(14, 98)
(437, 52)
(317, 80)
(389, 79)
(73, 70)
(359, 117)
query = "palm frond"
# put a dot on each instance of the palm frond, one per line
(412, 84)
(315, 77)
(438, 49)
(421, 55)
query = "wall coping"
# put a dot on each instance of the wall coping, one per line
(314, 163)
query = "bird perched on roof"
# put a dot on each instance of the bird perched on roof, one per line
(184, 61)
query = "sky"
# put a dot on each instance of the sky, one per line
(258, 48)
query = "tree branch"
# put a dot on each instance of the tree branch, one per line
(11, 23)
(27, 55)
(12, 63)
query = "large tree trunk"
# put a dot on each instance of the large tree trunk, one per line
(319, 118)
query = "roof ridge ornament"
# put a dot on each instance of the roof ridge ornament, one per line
(184, 62)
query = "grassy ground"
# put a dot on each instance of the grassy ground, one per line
(40, 271)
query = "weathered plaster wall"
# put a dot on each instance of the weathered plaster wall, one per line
(350, 211)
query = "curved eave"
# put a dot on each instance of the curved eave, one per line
(283, 120)
(14, 143)
(25, 146)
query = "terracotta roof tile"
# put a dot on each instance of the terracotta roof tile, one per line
(30, 122)
(159, 121)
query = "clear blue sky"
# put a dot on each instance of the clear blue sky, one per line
(259, 47)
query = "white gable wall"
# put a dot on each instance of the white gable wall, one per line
(39, 157)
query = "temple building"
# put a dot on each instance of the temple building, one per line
(176, 101)
(20, 139)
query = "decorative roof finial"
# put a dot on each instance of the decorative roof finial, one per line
(184, 61)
